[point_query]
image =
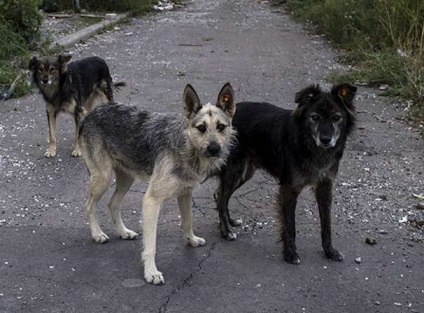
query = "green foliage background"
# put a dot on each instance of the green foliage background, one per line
(20, 22)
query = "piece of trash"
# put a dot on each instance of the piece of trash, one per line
(403, 219)
(401, 53)
(383, 87)
(6, 93)
(421, 197)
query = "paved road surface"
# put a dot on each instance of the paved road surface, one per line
(48, 263)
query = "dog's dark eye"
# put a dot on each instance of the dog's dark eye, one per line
(315, 118)
(221, 127)
(52, 69)
(201, 128)
(336, 118)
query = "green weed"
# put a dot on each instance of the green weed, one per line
(383, 40)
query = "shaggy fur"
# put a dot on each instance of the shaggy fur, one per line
(299, 148)
(172, 152)
(74, 88)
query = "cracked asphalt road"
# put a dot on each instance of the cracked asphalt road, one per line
(48, 263)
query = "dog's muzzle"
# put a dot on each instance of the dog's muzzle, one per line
(326, 141)
(213, 150)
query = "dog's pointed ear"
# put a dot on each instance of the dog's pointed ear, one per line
(63, 60)
(191, 102)
(33, 63)
(346, 93)
(305, 97)
(308, 94)
(226, 100)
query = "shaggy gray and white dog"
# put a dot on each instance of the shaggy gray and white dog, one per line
(172, 152)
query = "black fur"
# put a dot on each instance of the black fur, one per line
(76, 79)
(295, 147)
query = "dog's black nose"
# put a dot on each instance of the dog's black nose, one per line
(325, 140)
(45, 81)
(213, 149)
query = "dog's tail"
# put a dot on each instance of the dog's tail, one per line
(118, 85)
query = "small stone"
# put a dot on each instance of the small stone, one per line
(370, 241)
(419, 206)
(358, 260)
(377, 302)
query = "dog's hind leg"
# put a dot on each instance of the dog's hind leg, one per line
(184, 203)
(287, 199)
(99, 181)
(323, 194)
(51, 119)
(78, 115)
(232, 177)
(123, 184)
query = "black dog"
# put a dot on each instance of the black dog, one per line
(300, 148)
(75, 88)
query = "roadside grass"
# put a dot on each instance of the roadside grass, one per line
(382, 41)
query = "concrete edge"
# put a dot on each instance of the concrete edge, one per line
(87, 32)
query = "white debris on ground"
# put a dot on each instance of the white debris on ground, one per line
(163, 5)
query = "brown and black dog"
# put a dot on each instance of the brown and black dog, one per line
(74, 88)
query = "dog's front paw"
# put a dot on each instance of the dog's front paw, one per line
(128, 234)
(334, 255)
(196, 241)
(235, 223)
(291, 256)
(100, 238)
(226, 233)
(76, 153)
(154, 277)
(50, 153)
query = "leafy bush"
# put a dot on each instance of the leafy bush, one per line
(20, 22)
(24, 18)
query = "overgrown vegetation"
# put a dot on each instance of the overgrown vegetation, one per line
(20, 22)
(382, 39)
(135, 6)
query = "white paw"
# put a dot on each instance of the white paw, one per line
(128, 234)
(100, 238)
(50, 153)
(231, 236)
(237, 222)
(154, 277)
(196, 241)
(76, 153)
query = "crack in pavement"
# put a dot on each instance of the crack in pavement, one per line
(164, 306)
